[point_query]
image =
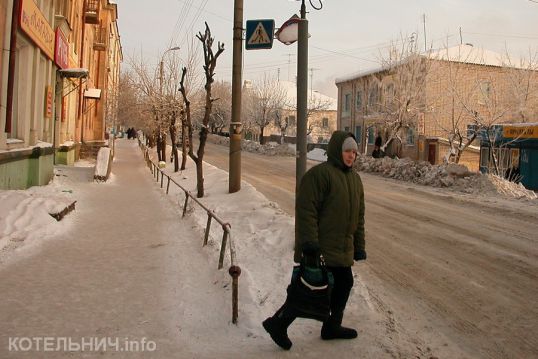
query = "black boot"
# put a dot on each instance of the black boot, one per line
(277, 327)
(332, 328)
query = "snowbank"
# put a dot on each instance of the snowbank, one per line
(317, 154)
(26, 215)
(263, 235)
(269, 149)
(452, 176)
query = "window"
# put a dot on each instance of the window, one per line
(291, 120)
(22, 94)
(325, 122)
(410, 136)
(347, 103)
(358, 100)
(371, 135)
(485, 92)
(373, 96)
(63, 8)
(358, 133)
(484, 157)
(389, 94)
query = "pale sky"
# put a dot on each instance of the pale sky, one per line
(346, 35)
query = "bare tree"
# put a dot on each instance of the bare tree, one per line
(522, 78)
(146, 83)
(404, 88)
(173, 108)
(210, 63)
(268, 97)
(128, 105)
(250, 128)
(222, 107)
(452, 74)
(316, 106)
(282, 123)
(480, 97)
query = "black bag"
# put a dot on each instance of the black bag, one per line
(309, 293)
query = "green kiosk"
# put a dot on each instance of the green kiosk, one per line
(515, 147)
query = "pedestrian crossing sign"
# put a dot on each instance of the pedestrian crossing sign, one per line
(259, 34)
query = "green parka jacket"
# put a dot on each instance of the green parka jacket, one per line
(330, 208)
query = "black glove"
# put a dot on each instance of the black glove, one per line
(311, 254)
(359, 255)
(310, 249)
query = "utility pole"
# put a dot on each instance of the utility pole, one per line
(161, 144)
(312, 69)
(425, 44)
(302, 97)
(289, 64)
(236, 125)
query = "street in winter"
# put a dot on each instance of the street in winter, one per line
(293, 179)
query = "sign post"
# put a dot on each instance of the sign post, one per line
(259, 34)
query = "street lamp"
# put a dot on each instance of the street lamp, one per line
(234, 174)
(160, 147)
(302, 97)
(175, 48)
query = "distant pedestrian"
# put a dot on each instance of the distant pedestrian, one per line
(330, 222)
(377, 152)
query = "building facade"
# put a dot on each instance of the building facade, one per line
(321, 117)
(435, 100)
(3, 33)
(53, 84)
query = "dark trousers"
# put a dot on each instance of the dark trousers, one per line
(343, 282)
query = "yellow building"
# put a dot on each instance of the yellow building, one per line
(321, 116)
(3, 16)
(52, 96)
(452, 89)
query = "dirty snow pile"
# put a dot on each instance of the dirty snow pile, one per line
(454, 176)
(317, 154)
(420, 172)
(269, 149)
(511, 189)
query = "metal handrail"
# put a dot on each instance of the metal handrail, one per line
(234, 270)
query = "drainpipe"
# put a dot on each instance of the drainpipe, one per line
(12, 59)
(352, 110)
(81, 62)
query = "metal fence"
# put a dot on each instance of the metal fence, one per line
(234, 270)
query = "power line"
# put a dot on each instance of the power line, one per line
(214, 14)
(194, 20)
(503, 35)
(343, 54)
(183, 14)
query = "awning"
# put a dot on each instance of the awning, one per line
(78, 73)
(93, 93)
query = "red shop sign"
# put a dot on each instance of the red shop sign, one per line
(61, 50)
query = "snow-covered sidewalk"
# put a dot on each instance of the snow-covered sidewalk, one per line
(125, 266)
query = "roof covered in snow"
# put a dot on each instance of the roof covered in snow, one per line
(291, 91)
(466, 53)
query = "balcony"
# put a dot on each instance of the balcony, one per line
(100, 39)
(91, 12)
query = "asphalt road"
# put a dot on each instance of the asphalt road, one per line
(457, 274)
